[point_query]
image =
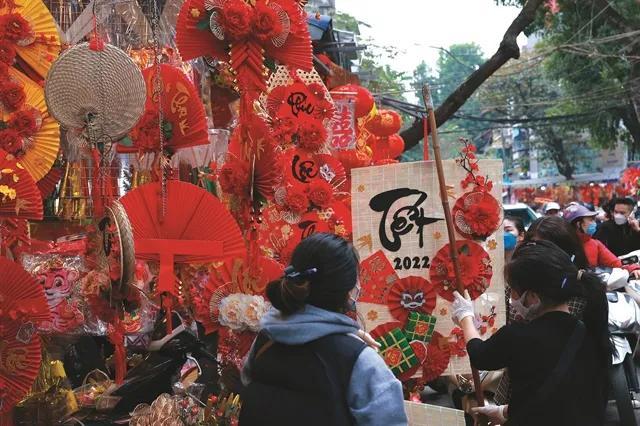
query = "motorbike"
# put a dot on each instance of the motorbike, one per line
(161, 369)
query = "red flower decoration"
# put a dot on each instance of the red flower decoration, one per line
(296, 199)
(7, 52)
(11, 141)
(320, 193)
(234, 177)
(324, 110)
(236, 19)
(475, 270)
(284, 129)
(439, 353)
(146, 134)
(14, 27)
(477, 215)
(24, 122)
(266, 23)
(311, 135)
(12, 95)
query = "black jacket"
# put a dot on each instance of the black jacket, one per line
(620, 239)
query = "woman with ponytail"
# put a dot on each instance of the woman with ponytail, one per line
(310, 365)
(558, 364)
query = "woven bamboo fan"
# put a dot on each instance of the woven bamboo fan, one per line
(119, 249)
(103, 88)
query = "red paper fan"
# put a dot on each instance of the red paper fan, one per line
(477, 215)
(24, 307)
(196, 228)
(297, 51)
(48, 183)
(411, 294)
(19, 194)
(192, 41)
(246, 276)
(438, 355)
(184, 120)
(475, 270)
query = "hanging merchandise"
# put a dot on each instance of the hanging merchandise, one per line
(118, 247)
(29, 36)
(24, 309)
(184, 122)
(20, 198)
(28, 132)
(97, 93)
(165, 230)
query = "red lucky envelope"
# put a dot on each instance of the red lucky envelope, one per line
(376, 278)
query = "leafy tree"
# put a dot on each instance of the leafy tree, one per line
(593, 52)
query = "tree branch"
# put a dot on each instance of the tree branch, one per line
(508, 50)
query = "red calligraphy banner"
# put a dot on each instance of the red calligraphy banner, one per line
(343, 125)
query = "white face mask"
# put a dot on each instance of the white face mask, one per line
(524, 313)
(619, 219)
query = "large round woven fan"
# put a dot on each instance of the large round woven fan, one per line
(24, 307)
(20, 197)
(104, 87)
(45, 47)
(195, 228)
(42, 150)
(184, 120)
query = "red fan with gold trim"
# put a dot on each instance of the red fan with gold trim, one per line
(184, 120)
(24, 307)
(195, 228)
(477, 214)
(19, 194)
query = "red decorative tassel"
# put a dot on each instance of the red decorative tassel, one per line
(116, 337)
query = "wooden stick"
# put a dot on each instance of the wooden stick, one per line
(426, 95)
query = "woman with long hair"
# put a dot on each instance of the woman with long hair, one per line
(557, 363)
(307, 366)
(559, 231)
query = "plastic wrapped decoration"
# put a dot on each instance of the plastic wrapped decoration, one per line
(59, 277)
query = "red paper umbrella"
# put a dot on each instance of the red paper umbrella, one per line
(24, 307)
(475, 270)
(477, 215)
(437, 360)
(184, 122)
(196, 228)
(19, 194)
(411, 294)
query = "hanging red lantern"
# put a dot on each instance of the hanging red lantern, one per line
(385, 123)
(396, 145)
(364, 98)
(352, 159)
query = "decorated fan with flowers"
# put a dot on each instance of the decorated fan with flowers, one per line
(183, 119)
(411, 294)
(24, 307)
(475, 270)
(19, 194)
(244, 32)
(476, 214)
(26, 129)
(28, 30)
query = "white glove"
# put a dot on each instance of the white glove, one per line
(495, 413)
(462, 307)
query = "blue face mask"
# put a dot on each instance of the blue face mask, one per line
(591, 229)
(510, 241)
